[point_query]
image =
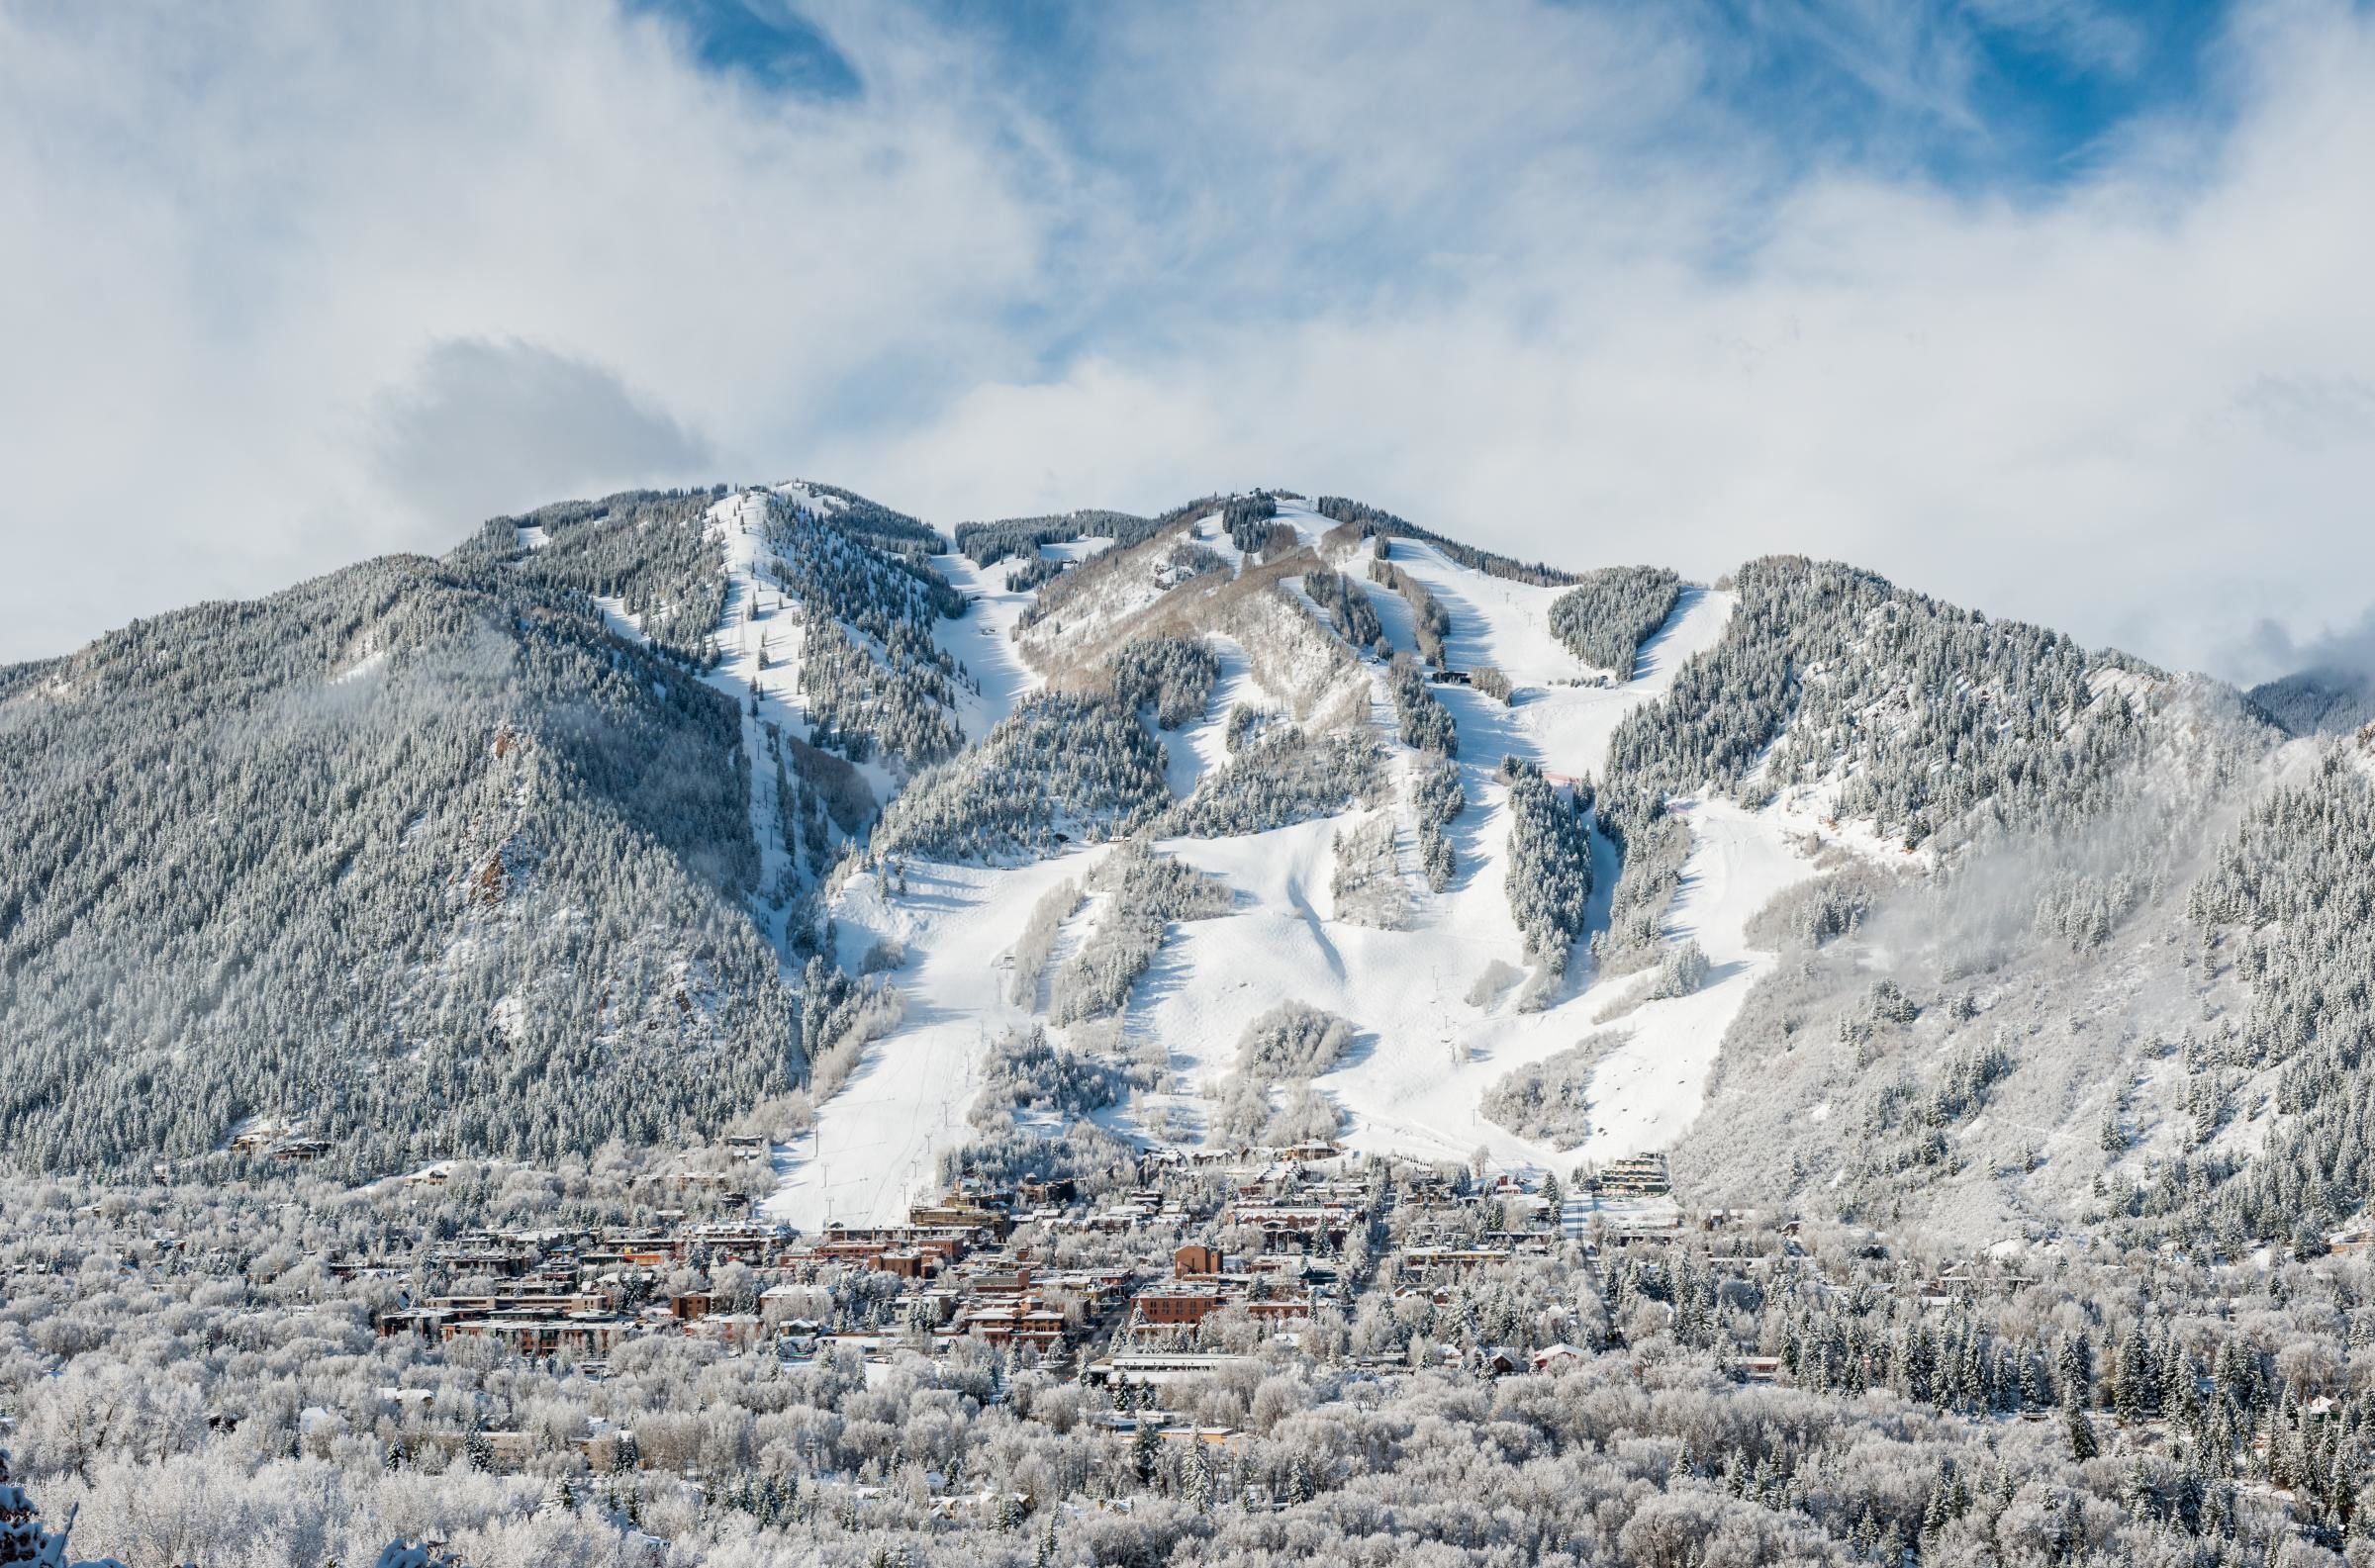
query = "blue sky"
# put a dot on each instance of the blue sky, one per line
(2052, 307)
(2021, 95)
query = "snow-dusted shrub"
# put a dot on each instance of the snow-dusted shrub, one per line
(1367, 886)
(1148, 893)
(1283, 775)
(1605, 618)
(1815, 912)
(1548, 1101)
(1305, 1116)
(1292, 1040)
(1493, 982)
(1683, 971)
(1027, 1071)
(1494, 683)
(1246, 1115)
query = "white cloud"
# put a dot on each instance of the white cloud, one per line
(1517, 272)
(501, 423)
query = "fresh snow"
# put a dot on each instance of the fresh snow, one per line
(981, 640)
(878, 1141)
(1424, 1057)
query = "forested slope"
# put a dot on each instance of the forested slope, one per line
(419, 856)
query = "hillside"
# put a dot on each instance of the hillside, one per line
(634, 817)
(419, 856)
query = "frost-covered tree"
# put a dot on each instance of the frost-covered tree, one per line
(1609, 614)
(1549, 865)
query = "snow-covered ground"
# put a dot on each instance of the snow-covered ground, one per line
(760, 645)
(878, 1141)
(983, 639)
(1425, 1055)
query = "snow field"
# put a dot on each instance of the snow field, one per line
(1424, 1056)
(877, 1143)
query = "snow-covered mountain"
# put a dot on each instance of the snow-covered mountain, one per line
(1266, 821)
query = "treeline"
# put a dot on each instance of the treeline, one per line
(1247, 519)
(1146, 893)
(1606, 618)
(1172, 675)
(871, 676)
(1348, 609)
(1286, 1047)
(1430, 622)
(1280, 775)
(1373, 523)
(987, 543)
(1550, 864)
(879, 525)
(1426, 724)
(1936, 723)
(2293, 892)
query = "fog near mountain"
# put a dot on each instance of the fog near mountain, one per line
(2323, 699)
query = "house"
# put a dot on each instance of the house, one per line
(1558, 1358)
(1173, 1307)
(1195, 1259)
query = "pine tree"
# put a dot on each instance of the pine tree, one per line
(2082, 1434)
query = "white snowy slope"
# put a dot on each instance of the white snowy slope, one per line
(878, 1141)
(759, 644)
(1425, 1055)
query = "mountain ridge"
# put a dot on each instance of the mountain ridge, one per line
(1330, 711)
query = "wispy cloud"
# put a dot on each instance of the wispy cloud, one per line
(1592, 282)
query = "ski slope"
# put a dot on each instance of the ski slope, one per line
(878, 1140)
(1425, 1055)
